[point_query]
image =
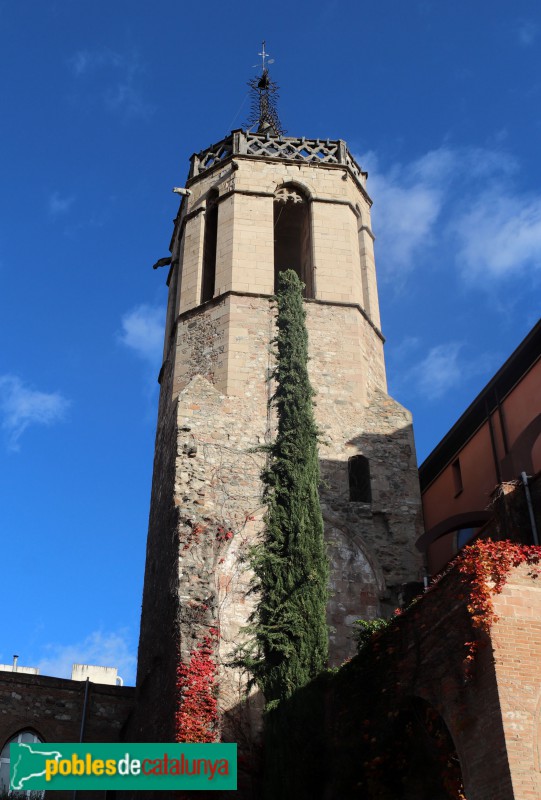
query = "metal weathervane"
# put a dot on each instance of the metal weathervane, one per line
(264, 93)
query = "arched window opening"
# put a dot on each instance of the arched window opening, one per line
(359, 480)
(462, 537)
(292, 236)
(419, 758)
(24, 737)
(210, 244)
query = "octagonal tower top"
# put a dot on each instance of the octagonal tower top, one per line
(288, 148)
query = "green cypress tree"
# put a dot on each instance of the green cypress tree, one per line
(290, 564)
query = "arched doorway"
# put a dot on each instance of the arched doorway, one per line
(417, 757)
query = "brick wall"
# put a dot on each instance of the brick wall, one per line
(516, 640)
(347, 726)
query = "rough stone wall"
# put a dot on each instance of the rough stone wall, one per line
(219, 492)
(53, 707)
(153, 717)
(214, 412)
(216, 472)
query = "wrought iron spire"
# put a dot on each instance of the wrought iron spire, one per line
(264, 93)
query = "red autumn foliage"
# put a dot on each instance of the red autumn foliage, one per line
(485, 566)
(197, 715)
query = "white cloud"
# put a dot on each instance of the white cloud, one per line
(408, 202)
(499, 234)
(464, 201)
(438, 372)
(125, 97)
(445, 367)
(142, 332)
(527, 32)
(21, 406)
(59, 205)
(99, 649)
(86, 61)
(405, 348)
(121, 71)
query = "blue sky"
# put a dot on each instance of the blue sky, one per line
(103, 103)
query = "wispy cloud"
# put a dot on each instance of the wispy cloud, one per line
(408, 203)
(499, 235)
(99, 648)
(430, 374)
(142, 332)
(438, 372)
(118, 74)
(21, 406)
(59, 205)
(465, 201)
(527, 32)
(434, 373)
(87, 61)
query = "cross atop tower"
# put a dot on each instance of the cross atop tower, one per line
(263, 112)
(264, 55)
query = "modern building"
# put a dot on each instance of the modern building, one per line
(493, 449)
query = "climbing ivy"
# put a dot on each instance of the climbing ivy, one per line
(290, 562)
(197, 715)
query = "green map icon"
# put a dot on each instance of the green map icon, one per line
(27, 763)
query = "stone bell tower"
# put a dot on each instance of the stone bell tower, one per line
(256, 203)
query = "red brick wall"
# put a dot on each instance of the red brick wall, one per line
(491, 706)
(516, 638)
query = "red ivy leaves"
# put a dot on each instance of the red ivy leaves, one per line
(486, 566)
(222, 535)
(197, 716)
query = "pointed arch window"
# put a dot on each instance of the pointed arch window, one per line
(210, 245)
(293, 236)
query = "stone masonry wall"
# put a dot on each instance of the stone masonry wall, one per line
(217, 472)
(214, 414)
(153, 717)
(342, 242)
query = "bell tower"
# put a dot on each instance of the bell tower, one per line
(255, 203)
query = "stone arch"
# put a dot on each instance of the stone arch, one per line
(470, 519)
(292, 221)
(349, 555)
(426, 764)
(299, 186)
